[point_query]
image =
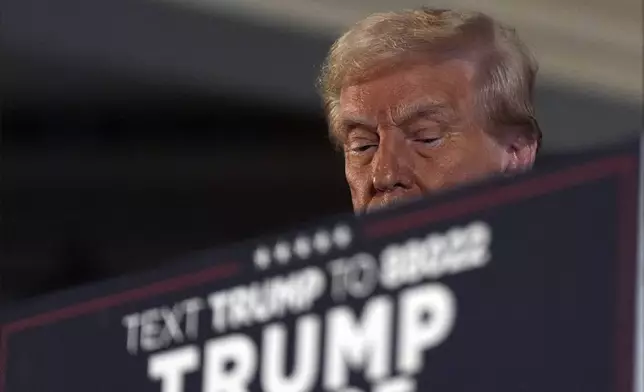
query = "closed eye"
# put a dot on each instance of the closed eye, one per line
(363, 148)
(432, 140)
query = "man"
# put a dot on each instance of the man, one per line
(423, 100)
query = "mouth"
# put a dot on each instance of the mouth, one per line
(384, 202)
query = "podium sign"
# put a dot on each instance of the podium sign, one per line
(525, 284)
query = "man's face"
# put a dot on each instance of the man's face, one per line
(414, 131)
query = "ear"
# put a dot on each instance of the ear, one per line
(521, 154)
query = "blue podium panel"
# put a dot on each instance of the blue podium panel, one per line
(525, 284)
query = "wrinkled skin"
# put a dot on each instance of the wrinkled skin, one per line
(414, 130)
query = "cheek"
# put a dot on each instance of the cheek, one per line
(458, 160)
(437, 171)
(357, 178)
(474, 161)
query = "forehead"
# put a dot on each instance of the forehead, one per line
(449, 81)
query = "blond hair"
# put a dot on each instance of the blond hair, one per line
(505, 75)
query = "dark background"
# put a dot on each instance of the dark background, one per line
(134, 132)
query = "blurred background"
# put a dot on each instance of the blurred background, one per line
(135, 131)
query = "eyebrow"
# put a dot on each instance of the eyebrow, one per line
(401, 114)
(349, 121)
(410, 111)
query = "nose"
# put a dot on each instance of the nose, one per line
(391, 165)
